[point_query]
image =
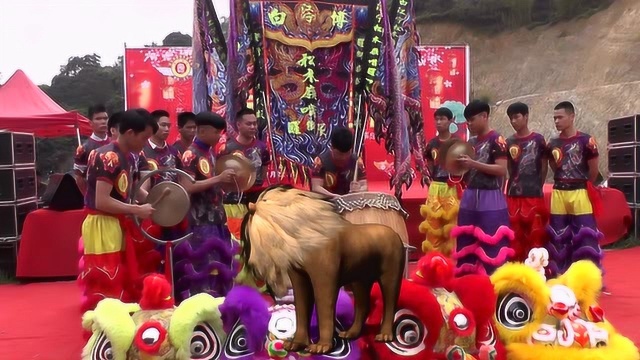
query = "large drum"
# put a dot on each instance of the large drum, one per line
(374, 208)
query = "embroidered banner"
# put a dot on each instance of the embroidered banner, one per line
(299, 59)
(210, 75)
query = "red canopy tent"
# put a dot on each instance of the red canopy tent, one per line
(24, 107)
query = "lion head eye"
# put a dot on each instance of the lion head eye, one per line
(409, 334)
(513, 311)
(237, 344)
(205, 344)
(102, 349)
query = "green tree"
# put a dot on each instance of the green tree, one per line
(177, 39)
(82, 82)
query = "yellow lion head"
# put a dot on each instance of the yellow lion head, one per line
(558, 319)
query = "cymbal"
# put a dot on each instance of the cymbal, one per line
(451, 151)
(171, 203)
(245, 171)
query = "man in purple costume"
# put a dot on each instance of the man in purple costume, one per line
(483, 233)
(204, 263)
(574, 200)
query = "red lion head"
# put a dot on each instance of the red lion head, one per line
(438, 317)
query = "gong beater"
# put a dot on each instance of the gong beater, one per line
(245, 172)
(171, 203)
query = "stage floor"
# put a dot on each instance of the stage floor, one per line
(42, 320)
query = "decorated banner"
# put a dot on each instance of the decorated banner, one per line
(159, 78)
(210, 76)
(299, 59)
(445, 81)
(405, 135)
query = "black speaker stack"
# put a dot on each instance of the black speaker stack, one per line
(18, 191)
(623, 137)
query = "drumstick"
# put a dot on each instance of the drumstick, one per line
(162, 196)
(361, 138)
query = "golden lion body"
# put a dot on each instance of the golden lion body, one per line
(296, 237)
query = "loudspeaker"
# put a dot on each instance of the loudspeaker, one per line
(62, 194)
(624, 159)
(17, 184)
(12, 215)
(17, 149)
(627, 185)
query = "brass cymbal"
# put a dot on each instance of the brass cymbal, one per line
(451, 151)
(244, 169)
(171, 203)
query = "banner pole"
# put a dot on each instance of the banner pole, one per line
(273, 149)
(358, 136)
(124, 75)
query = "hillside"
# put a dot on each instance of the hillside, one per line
(591, 62)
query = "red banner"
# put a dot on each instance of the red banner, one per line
(159, 78)
(444, 81)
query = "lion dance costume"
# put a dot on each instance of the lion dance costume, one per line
(438, 317)
(527, 210)
(111, 244)
(574, 202)
(235, 204)
(443, 202)
(483, 234)
(205, 262)
(556, 320)
(201, 327)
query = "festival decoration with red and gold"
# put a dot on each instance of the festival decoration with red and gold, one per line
(159, 78)
(444, 80)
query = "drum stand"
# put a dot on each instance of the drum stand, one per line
(169, 244)
(408, 249)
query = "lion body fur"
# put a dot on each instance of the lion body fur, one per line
(285, 228)
(297, 238)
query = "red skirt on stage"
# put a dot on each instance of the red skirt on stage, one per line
(529, 217)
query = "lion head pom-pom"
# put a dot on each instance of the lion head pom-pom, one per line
(156, 293)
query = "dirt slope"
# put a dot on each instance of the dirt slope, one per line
(594, 62)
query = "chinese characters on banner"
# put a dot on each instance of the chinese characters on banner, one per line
(159, 78)
(444, 81)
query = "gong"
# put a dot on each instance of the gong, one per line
(451, 151)
(170, 202)
(245, 171)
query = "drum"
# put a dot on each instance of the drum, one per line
(374, 208)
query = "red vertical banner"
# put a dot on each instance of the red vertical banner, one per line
(444, 82)
(159, 78)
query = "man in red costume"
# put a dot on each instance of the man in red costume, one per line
(527, 164)
(187, 130)
(333, 170)
(110, 175)
(257, 153)
(98, 118)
